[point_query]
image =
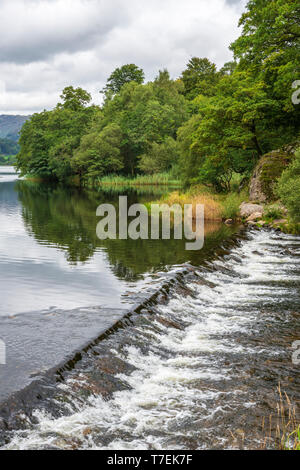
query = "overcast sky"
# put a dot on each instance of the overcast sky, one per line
(46, 45)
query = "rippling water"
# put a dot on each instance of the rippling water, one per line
(198, 368)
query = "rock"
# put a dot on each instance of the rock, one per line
(279, 221)
(251, 222)
(3, 425)
(229, 221)
(247, 209)
(254, 217)
(261, 222)
(268, 170)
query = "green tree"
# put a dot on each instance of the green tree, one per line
(199, 77)
(269, 46)
(147, 114)
(125, 74)
(228, 68)
(75, 98)
(269, 28)
(228, 133)
(33, 157)
(49, 139)
(288, 188)
(99, 153)
(160, 157)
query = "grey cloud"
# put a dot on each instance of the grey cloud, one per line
(235, 2)
(34, 30)
(80, 42)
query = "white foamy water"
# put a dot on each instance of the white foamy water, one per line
(189, 386)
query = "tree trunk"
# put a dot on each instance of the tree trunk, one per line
(255, 141)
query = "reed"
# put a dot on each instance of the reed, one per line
(231, 204)
(287, 426)
(212, 208)
(140, 180)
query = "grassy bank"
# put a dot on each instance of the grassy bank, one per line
(161, 179)
(119, 182)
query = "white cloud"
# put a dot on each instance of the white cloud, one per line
(48, 44)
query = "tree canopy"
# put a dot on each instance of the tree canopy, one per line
(125, 74)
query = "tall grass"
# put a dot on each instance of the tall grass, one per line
(212, 208)
(287, 434)
(140, 180)
(231, 204)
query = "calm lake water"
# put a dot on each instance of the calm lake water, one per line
(50, 256)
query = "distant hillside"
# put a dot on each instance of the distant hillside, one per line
(10, 126)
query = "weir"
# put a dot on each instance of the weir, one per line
(196, 366)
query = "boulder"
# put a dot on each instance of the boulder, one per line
(268, 170)
(229, 221)
(247, 209)
(279, 221)
(254, 217)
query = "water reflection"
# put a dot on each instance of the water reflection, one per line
(66, 218)
(50, 256)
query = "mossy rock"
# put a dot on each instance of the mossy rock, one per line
(267, 172)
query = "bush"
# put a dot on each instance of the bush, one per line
(238, 181)
(288, 188)
(231, 205)
(273, 212)
(212, 208)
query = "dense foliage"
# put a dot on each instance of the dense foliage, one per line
(288, 188)
(205, 126)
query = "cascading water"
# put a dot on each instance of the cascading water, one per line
(196, 370)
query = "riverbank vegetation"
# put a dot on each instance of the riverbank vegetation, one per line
(282, 427)
(159, 179)
(213, 209)
(288, 188)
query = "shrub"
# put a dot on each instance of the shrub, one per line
(288, 188)
(231, 205)
(273, 212)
